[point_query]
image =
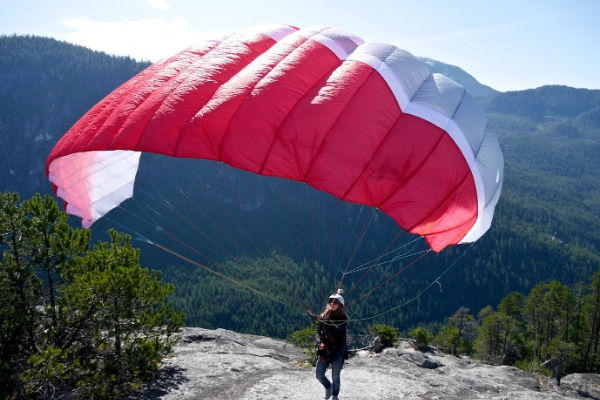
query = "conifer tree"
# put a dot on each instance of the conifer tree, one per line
(75, 323)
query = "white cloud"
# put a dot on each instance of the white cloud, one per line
(151, 39)
(159, 4)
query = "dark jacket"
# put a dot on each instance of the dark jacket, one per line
(332, 333)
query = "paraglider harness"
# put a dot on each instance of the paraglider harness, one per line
(327, 339)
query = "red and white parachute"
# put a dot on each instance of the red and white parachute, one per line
(365, 122)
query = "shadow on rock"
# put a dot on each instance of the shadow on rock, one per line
(166, 380)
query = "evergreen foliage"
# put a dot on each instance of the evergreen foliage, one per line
(555, 328)
(546, 226)
(75, 322)
(552, 100)
(46, 85)
(305, 339)
(388, 334)
(446, 337)
(459, 334)
(423, 337)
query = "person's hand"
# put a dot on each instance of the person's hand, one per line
(321, 346)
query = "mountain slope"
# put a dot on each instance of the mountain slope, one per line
(546, 101)
(547, 223)
(45, 87)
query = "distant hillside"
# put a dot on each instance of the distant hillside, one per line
(549, 101)
(547, 223)
(45, 86)
(459, 75)
(550, 137)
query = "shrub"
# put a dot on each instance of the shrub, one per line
(446, 338)
(388, 334)
(422, 336)
(305, 338)
(534, 366)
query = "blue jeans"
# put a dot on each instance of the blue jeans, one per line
(336, 367)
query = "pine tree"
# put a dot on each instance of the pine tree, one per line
(75, 323)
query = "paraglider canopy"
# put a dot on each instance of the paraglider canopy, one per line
(365, 122)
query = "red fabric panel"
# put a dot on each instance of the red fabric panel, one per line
(301, 134)
(191, 90)
(119, 115)
(438, 240)
(140, 107)
(252, 130)
(203, 135)
(435, 190)
(354, 138)
(407, 146)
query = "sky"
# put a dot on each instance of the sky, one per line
(507, 44)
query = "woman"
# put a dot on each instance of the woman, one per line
(331, 343)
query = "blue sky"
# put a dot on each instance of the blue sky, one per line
(508, 45)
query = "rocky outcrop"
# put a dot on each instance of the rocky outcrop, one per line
(220, 364)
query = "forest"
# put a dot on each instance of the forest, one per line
(554, 330)
(281, 248)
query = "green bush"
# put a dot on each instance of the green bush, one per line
(388, 334)
(446, 338)
(534, 366)
(422, 336)
(305, 338)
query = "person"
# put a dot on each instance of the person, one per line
(331, 337)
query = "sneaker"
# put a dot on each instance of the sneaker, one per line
(335, 398)
(328, 393)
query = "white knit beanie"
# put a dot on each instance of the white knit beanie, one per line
(338, 296)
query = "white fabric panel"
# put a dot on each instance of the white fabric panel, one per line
(340, 51)
(381, 51)
(440, 93)
(97, 181)
(278, 31)
(307, 32)
(347, 40)
(342, 44)
(71, 170)
(471, 119)
(103, 205)
(409, 70)
(491, 164)
(440, 120)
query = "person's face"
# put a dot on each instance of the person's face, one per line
(334, 304)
